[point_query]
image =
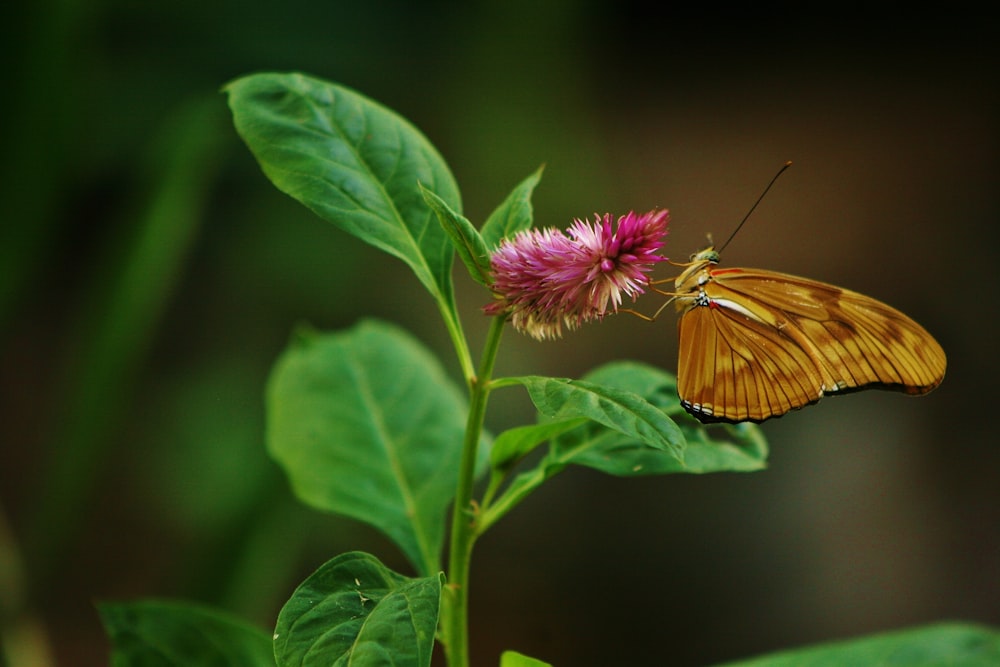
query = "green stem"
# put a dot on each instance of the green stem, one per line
(525, 484)
(455, 619)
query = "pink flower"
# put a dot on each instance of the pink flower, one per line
(545, 279)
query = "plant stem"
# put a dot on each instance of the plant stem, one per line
(455, 618)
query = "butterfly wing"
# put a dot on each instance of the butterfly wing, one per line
(755, 344)
(734, 368)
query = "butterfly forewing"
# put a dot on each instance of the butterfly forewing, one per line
(735, 367)
(755, 344)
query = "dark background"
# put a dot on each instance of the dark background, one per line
(151, 275)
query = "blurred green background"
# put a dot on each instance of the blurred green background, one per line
(151, 275)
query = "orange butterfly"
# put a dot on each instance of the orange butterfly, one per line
(755, 344)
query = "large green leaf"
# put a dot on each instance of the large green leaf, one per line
(354, 162)
(951, 644)
(366, 424)
(719, 448)
(355, 611)
(157, 633)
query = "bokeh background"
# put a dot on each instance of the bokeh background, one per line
(151, 275)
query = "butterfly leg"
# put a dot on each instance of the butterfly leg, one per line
(654, 316)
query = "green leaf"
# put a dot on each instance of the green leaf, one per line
(366, 424)
(515, 659)
(516, 443)
(354, 162)
(621, 411)
(952, 644)
(631, 410)
(743, 447)
(355, 611)
(464, 237)
(514, 214)
(159, 633)
(654, 384)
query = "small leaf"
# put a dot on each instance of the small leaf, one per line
(516, 443)
(952, 644)
(629, 408)
(354, 162)
(515, 659)
(162, 633)
(464, 237)
(355, 611)
(622, 411)
(514, 214)
(619, 455)
(744, 450)
(367, 424)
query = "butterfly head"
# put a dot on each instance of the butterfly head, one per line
(709, 255)
(695, 275)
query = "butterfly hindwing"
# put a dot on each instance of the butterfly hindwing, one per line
(755, 344)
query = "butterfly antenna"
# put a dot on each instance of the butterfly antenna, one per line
(747, 216)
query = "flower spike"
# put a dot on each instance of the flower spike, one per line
(545, 279)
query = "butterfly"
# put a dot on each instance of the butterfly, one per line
(755, 344)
